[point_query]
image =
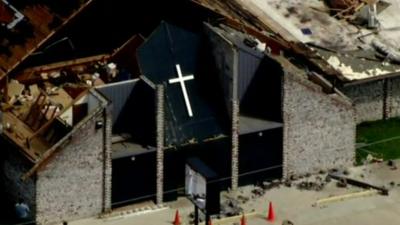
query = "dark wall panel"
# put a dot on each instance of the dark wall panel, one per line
(133, 180)
(118, 94)
(260, 156)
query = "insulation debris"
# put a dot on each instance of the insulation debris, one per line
(350, 73)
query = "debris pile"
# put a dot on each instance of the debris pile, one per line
(257, 192)
(287, 222)
(243, 199)
(267, 185)
(317, 185)
(231, 207)
(392, 165)
(342, 183)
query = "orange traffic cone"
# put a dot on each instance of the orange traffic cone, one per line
(177, 220)
(243, 220)
(271, 214)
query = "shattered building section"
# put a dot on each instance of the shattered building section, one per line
(44, 103)
(127, 59)
(312, 119)
(91, 71)
(25, 26)
(375, 100)
(275, 87)
(38, 175)
(309, 22)
(342, 45)
(47, 120)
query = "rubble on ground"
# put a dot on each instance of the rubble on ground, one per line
(243, 199)
(258, 192)
(231, 207)
(342, 183)
(311, 186)
(392, 165)
(267, 185)
(287, 222)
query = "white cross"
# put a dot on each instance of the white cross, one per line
(181, 79)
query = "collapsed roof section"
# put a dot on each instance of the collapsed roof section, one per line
(26, 25)
(47, 102)
(358, 41)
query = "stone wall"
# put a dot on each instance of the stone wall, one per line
(76, 181)
(367, 99)
(375, 100)
(394, 97)
(319, 129)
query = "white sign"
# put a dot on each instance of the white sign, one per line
(181, 79)
(195, 187)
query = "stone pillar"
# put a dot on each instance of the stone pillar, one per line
(235, 122)
(160, 142)
(387, 99)
(286, 129)
(235, 145)
(107, 169)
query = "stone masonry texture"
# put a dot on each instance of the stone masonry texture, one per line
(319, 129)
(367, 99)
(371, 102)
(71, 185)
(107, 182)
(394, 97)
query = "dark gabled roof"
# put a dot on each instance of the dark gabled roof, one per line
(166, 47)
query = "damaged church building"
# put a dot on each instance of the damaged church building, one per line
(257, 90)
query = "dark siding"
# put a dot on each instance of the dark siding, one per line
(118, 94)
(248, 65)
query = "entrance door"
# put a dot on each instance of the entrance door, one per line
(133, 179)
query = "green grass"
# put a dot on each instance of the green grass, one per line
(371, 132)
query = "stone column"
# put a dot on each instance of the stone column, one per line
(107, 166)
(387, 99)
(235, 122)
(160, 142)
(235, 145)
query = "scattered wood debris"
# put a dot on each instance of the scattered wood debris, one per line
(345, 197)
(347, 180)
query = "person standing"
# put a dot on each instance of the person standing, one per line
(22, 210)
